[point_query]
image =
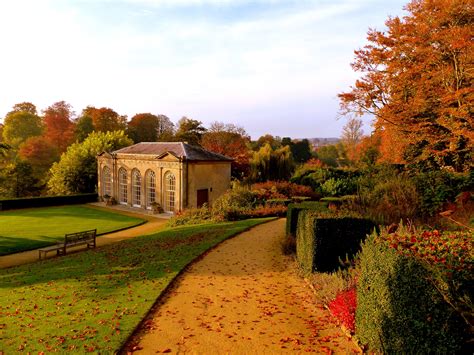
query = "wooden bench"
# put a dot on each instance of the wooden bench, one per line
(71, 240)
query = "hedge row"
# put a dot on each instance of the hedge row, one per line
(400, 308)
(295, 208)
(46, 201)
(322, 241)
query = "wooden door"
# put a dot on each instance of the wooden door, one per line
(202, 197)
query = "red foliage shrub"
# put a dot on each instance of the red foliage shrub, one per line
(280, 189)
(343, 308)
(265, 211)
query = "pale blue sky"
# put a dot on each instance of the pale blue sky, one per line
(271, 66)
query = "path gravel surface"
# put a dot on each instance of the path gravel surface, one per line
(243, 297)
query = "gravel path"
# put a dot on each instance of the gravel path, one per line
(243, 297)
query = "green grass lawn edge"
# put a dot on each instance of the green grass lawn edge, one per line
(34, 289)
(30, 243)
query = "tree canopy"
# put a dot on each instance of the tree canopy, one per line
(232, 141)
(59, 127)
(19, 126)
(76, 171)
(190, 131)
(417, 82)
(105, 119)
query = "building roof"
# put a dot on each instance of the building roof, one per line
(178, 149)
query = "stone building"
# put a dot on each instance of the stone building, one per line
(174, 174)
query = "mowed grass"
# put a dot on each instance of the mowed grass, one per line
(29, 229)
(92, 301)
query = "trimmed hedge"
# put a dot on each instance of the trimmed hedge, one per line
(399, 309)
(47, 201)
(321, 242)
(295, 208)
(278, 201)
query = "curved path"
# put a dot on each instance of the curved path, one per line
(242, 297)
(153, 224)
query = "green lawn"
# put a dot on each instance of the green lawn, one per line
(92, 301)
(28, 229)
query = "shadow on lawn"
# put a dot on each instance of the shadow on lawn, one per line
(69, 212)
(10, 245)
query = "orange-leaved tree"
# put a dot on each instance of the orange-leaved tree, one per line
(418, 82)
(232, 141)
(59, 127)
(105, 119)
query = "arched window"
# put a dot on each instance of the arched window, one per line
(136, 188)
(170, 189)
(123, 186)
(150, 181)
(106, 181)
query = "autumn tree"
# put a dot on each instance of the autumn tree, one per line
(352, 134)
(105, 119)
(166, 129)
(190, 131)
(76, 171)
(232, 141)
(59, 125)
(417, 82)
(275, 142)
(40, 153)
(20, 125)
(143, 127)
(84, 127)
(24, 107)
(300, 149)
(271, 164)
(367, 151)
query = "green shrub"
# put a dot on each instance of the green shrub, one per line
(191, 216)
(328, 181)
(47, 201)
(231, 203)
(323, 239)
(278, 201)
(390, 199)
(295, 208)
(399, 309)
(438, 187)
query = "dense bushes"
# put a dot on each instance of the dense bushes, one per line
(389, 200)
(413, 290)
(281, 190)
(322, 240)
(388, 194)
(438, 187)
(46, 201)
(327, 181)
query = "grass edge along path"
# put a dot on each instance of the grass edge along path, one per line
(29, 229)
(93, 301)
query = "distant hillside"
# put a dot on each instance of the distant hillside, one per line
(319, 142)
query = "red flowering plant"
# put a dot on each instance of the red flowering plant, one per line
(343, 308)
(449, 258)
(452, 253)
